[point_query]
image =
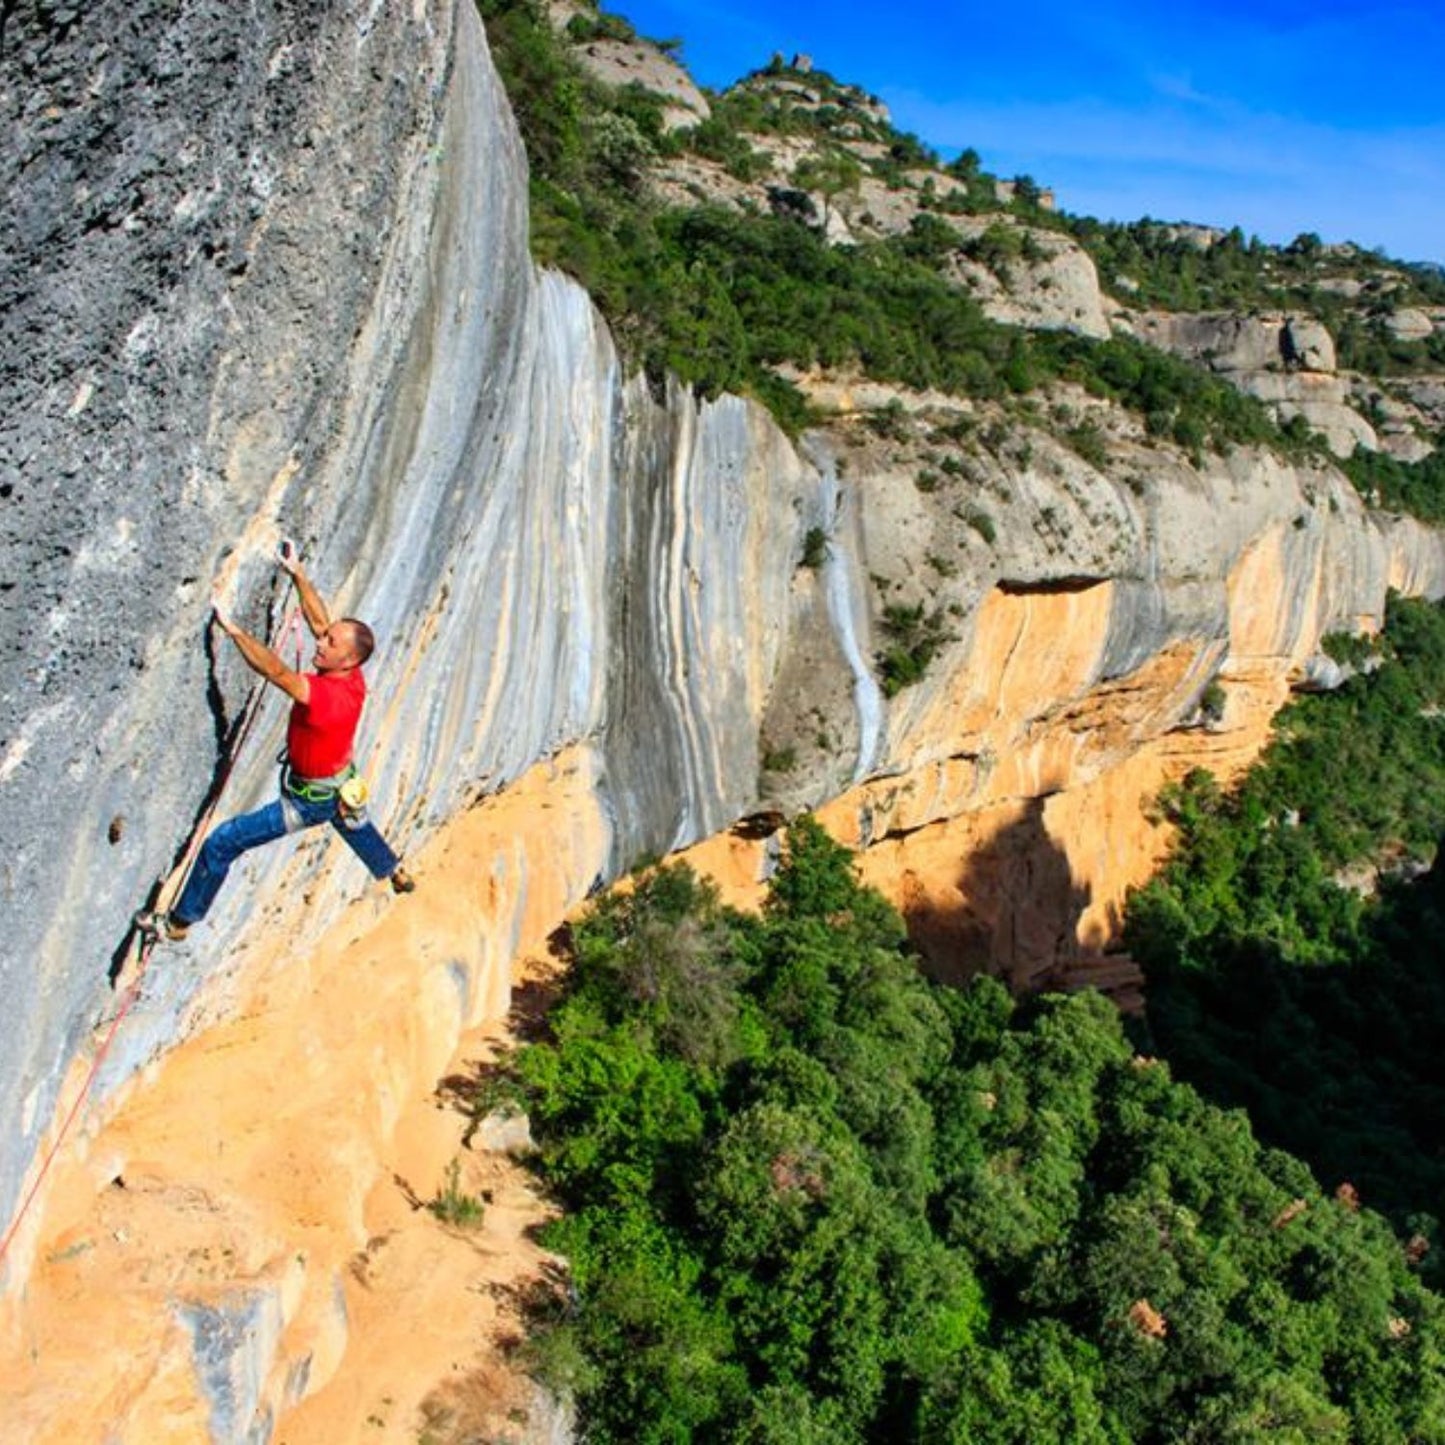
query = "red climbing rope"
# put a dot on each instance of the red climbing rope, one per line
(173, 887)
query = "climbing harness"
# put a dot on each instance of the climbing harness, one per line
(318, 790)
(169, 890)
(348, 789)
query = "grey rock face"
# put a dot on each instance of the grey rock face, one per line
(1230, 342)
(1307, 344)
(502, 1132)
(1427, 395)
(1321, 673)
(1224, 342)
(1409, 323)
(232, 1343)
(198, 201)
(1287, 362)
(1057, 292)
(623, 63)
(448, 436)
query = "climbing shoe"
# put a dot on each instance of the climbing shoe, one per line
(402, 881)
(161, 926)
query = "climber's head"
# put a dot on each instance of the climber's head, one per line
(344, 645)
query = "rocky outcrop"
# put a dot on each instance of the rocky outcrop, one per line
(1427, 395)
(1049, 284)
(606, 617)
(1306, 345)
(1006, 192)
(1058, 290)
(1410, 323)
(637, 62)
(1288, 362)
(1402, 427)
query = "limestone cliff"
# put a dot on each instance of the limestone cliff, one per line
(269, 273)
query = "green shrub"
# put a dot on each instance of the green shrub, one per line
(982, 523)
(779, 760)
(915, 637)
(1086, 441)
(1414, 487)
(998, 247)
(889, 421)
(1212, 700)
(598, 25)
(1351, 649)
(455, 1206)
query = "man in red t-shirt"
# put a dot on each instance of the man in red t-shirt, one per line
(325, 712)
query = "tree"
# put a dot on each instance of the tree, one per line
(832, 173)
(965, 165)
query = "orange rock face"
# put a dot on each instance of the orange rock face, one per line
(1012, 851)
(246, 1230)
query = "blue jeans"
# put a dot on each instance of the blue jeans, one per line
(251, 830)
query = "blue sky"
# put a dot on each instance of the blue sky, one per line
(1279, 117)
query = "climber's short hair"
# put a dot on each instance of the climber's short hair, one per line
(363, 639)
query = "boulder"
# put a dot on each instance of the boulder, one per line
(1409, 324)
(1307, 344)
(1223, 341)
(505, 1131)
(622, 62)
(1286, 362)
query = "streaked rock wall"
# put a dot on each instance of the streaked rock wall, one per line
(200, 201)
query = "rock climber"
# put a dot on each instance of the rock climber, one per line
(318, 778)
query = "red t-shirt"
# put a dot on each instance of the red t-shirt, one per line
(320, 733)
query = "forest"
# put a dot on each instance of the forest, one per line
(1291, 945)
(808, 1195)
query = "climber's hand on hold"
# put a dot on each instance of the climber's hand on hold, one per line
(220, 616)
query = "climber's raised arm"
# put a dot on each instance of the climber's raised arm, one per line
(313, 607)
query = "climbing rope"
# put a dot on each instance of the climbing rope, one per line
(169, 891)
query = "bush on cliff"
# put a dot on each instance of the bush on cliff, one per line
(1414, 487)
(809, 1196)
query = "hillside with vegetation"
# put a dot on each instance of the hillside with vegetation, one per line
(1291, 945)
(785, 233)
